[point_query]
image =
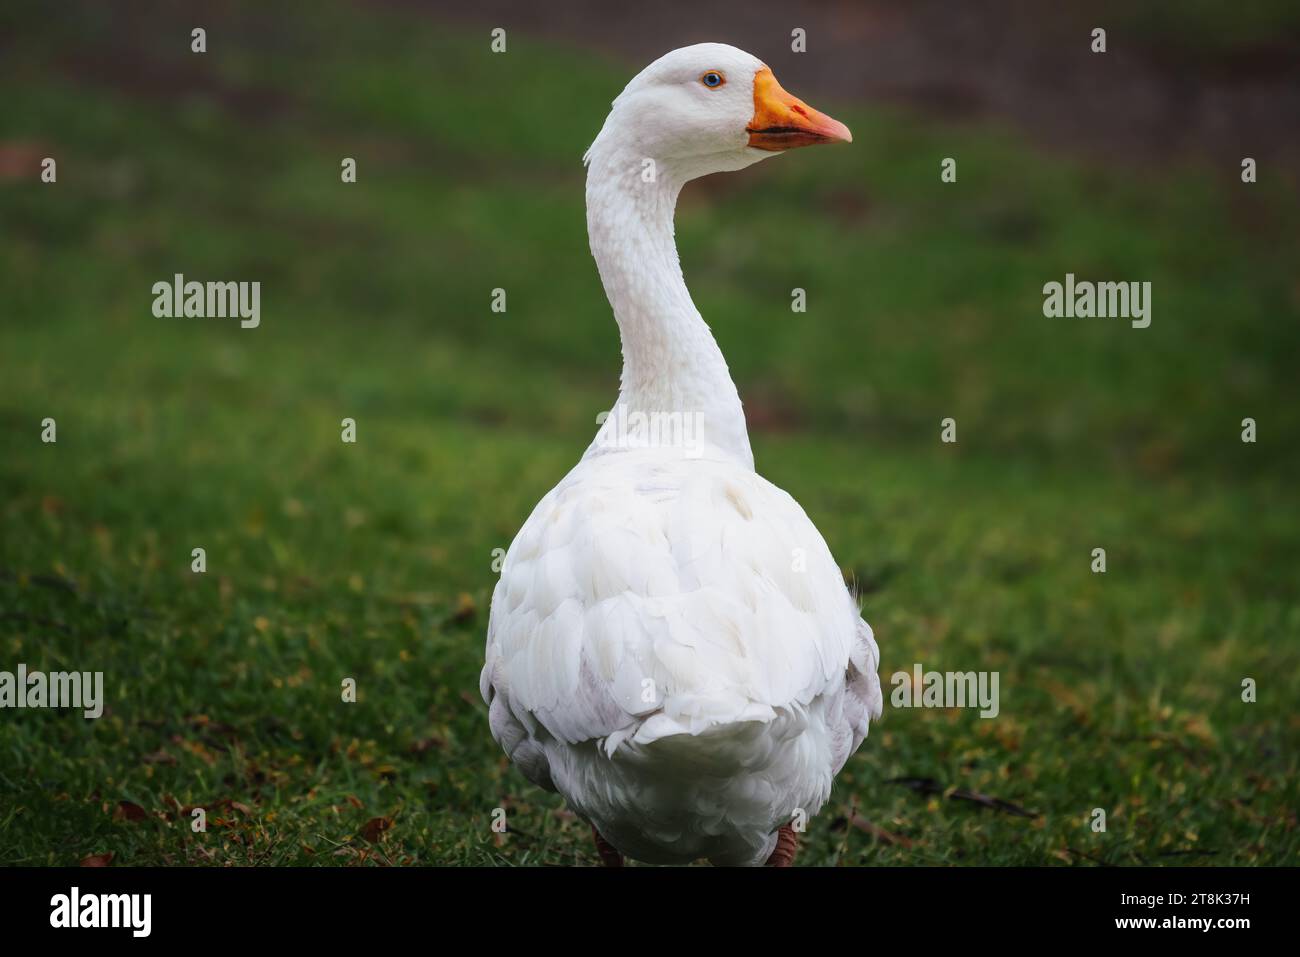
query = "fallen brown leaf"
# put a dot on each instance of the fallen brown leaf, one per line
(98, 860)
(375, 827)
(128, 811)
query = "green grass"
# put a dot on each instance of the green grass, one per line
(374, 560)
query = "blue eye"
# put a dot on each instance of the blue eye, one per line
(712, 79)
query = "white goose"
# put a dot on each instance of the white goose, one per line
(671, 645)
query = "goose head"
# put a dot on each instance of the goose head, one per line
(711, 108)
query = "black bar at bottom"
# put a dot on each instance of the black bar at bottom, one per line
(332, 907)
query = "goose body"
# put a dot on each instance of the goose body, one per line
(671, 645)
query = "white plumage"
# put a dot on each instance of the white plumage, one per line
(671, 645)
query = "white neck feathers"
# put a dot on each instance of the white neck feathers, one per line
(672, 365)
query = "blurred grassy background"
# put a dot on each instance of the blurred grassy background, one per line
(373, 561)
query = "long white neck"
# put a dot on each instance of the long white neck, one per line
(671, 362)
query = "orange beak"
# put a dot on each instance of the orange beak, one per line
(782, 121)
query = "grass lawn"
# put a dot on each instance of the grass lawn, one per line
(373, 561)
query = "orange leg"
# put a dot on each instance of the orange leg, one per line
(787, 844)
(608, 855)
